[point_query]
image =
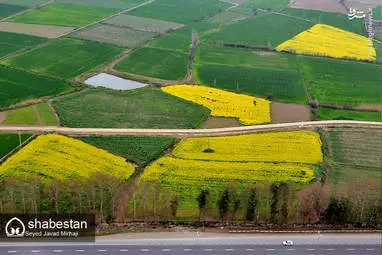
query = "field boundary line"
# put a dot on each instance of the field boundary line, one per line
(3, 159)
(28, 10)
(107, 18)
(291, 16)
(38, 116)
(58, 123)
(191, 132)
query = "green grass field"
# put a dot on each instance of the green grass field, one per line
(267, 4)
(65, 58)
(10, 141)
(141, 23)
(46, 114)
(63, 14)
(246, 10)
(122, 4)
(7, 10)
(181, 11)
(18, 86)
(265, 31)
(334, 19)
(24, 3)
(157, 63)
(227, 17)
(139, 108)
(120, 36)
(11, 42)
(25, 116)
(342, 82)
(356, 154)
(337, 114)
(175, 41)
(377, 13)
(253, 72)
(138, 149)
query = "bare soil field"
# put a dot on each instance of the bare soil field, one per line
(214, 122)
(46, 31)
(321, 5)
(362, 4)
(3, 116)
(285, 113)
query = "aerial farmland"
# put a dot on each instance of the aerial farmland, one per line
(234, 111)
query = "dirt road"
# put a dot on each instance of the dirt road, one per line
(189, 132)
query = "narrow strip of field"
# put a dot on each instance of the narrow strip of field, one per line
(63, 14)
(65, 58)
(10, 141)
(18, 86)
(35, 30)
(12, 42)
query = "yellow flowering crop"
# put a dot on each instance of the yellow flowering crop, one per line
(297, 146)
(325, 40)
(60, 157)
(249, 110)
(182, 172)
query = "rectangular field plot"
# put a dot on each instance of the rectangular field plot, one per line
(35, 30)
(180, 11)
(377, 13)
(19, 116)
(176, 41)
(338, 20)
(11, 42)
(122, 4)
(357, 153)
(251, 72)
(62, 14)
(338, 114)
(157, 63)
(267, 4)
(120, 36)
(25, 3)
(18, 86)
(10, 141)
(144, 24)
(264, 30)
(7, 10)
(342, 82)
(139, 108)
(66, 58)
(138, 149)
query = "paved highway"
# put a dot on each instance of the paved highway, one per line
(209, 243)
(190, 132)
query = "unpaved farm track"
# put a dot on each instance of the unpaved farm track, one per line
(190, 132)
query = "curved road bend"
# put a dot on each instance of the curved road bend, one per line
(190, 132)
(210, 243)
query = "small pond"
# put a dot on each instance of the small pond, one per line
(113, 82)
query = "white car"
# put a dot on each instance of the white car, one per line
(288, 243)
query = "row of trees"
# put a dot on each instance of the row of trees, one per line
(277, 203)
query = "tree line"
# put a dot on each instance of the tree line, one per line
(276, 203)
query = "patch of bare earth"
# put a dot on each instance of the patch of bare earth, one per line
(321, 5)
(215, 122)
(285, 113)
(46, 31)
(363, 4)
(3, 117)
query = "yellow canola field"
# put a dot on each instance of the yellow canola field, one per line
(325, 40)
(194, 174)
(62, 158)
(249, 110)
(296, 146)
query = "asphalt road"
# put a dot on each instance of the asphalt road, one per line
(190, 132)
(209, 243)
(197, 249)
